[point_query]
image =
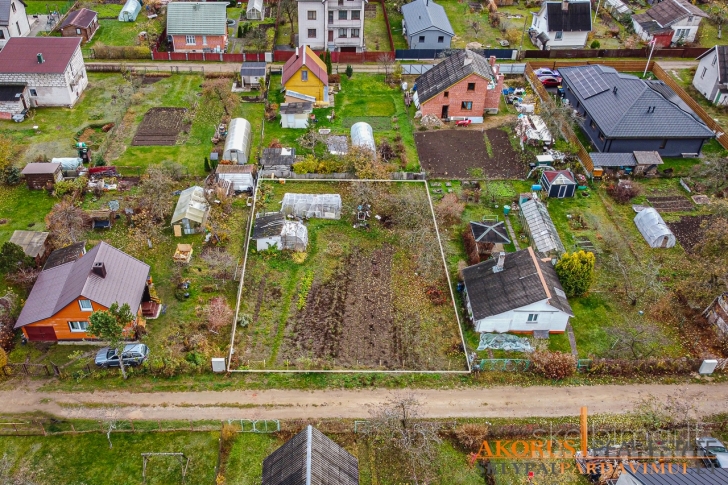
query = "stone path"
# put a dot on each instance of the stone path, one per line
(511, 232)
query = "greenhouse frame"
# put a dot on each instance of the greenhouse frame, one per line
(237, 142)
(130, 11)
(308, 206)
(362, 136)
(255, 10)
(653, 228)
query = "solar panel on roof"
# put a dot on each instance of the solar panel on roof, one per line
(587, 82)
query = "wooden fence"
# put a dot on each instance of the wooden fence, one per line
(684, 53)
(624, 66)
(663, 76)
(33, 370)
(565, 129)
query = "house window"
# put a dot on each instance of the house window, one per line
(533, 318)
(78, 31)
(2, 34)
(355, 15)
(664, 144)
(422, 38)
(342, 33)
(312, 15)
(85, 305)
(311, 33)
(304, 75)
(355, 33)
(466, 105)
(593, 125)
(601, 136)
(559, 35)
(446, 94)
(343, 14)
(78, 327)
(471, 86)
(331, 16)
(33, 92)
(12, 5)
(702, 75)
(715, 58)
(341, 2)
(441, 39)
(190, 39)
(690, 19)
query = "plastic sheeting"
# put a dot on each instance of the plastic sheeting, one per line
(504, 341)
(321, 206)
(68, 163)
(653, 228)
(237, 142)
(130, 11)
(362, 136)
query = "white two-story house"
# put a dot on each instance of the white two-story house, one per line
(13, 20)
(561, 25)
(679, 15)
(711, 77)
(336, 25)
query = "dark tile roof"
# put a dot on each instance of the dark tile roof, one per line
(296, 108)
(5, 11)
(722, 52)
(490, 232)
(308, 58)
(613, 159)
(650, 25)
(268, 225)
(624, 113)
(421, 15)
(310, 458)
(59, 286)
(670, 95)
(576, 18)
(253, 69)
(668, 12)
(517, 285)
(81, 18)
(458, 66)
(11, 92)
(694, 476)
(19, 54)
(65, 255)
(278, 156)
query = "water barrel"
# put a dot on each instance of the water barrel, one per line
(506, 209)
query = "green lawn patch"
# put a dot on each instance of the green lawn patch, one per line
(42, 7)
(115, 33)
(378, 123)
(107, 10)
(376, 37)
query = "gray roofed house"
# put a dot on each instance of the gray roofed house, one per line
(65, 255)
(310, 458)
(561, 25)
(711, 76)
(674, 476)
(622, 113)
(458, 66)
(540, 228)
(274, 158)
(13, 20)
(426, 26)
(252, 72)
(680, 16)
(516, 292)
(103, 276)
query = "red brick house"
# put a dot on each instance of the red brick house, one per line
(465, 85)
(80, 23)
(197, 26)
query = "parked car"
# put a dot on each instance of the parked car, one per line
(133, 355)
(550, 81)
(543, 71)
(714, 453)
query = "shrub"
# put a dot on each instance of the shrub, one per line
(553, 365)
(349, 71)
(470, 436)
(218, 314)
(240, 31)
(334, 78)
(471, 248)
(595, 44)
(623, 193)
(3, 360)
(449, 210)
(576, 272)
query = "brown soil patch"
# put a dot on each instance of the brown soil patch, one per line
(349, 319)
(160, 127)
(450, 153)
(689, 230)
(672, 203)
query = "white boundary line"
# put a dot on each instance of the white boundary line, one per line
(345, 371)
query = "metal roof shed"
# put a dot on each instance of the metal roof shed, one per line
(537, 221)
(237, 143)
(255, 10)
(321, 206)
(32, 242)
(192, 210)
(362, 136)
(653, 228)
(242, 177)
(130, 11)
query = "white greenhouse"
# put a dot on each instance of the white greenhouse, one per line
(256, 10)
(191, 211)
(362, 136)
(540, 228)
(653, 229)
(320, 206)
(237, 142)
(130, 11)
(294, 236)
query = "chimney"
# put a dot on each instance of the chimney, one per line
(304, 53)
(499, 265)
(99, 269)
(296, 52)
(40, 58)
(565, 6)
(614, 90)
(491, 60)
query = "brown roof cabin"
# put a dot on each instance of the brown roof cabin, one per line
(38, 175)
(80, 23)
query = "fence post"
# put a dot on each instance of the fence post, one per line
(131, 421)
(159, 422)
(40, 423)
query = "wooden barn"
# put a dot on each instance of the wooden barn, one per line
(558, 183)
(38, 175)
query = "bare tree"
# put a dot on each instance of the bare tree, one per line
(718, 12)
(221, 263)
(673, 411)
(66, 223)
(155, 193)
(218, 314)
(290, 9)
(637, 280)
(386, 63)
(635, 340)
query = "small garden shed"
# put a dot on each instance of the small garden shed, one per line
(130, 11)
(191, 211)
(251, 73)
(38, 175)
(362, 136)
(653, 228)
(320, 206)
(35, 244)
(237, 143)
(295, 115)
(242, 177)
(558, 183)
(487, 234)
(255, 10)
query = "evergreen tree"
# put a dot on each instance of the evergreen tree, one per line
(576, 272)
(349, 71)
(207, 165)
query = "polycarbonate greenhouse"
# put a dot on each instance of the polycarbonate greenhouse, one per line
(540, 228)
(362, 136)
(130, 11)
(653, 229)
(238, 140)
(308, 206)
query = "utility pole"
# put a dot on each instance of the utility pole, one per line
(523, 34)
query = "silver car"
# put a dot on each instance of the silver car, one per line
(713, 452)
(133, 355)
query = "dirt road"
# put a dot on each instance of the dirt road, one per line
(277, 404)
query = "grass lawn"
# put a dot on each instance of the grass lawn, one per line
(284, 30)
(375, 32)
(42, 7)
(115, 33)
(684, 77)
(86, 458)
(395, 21)
(106, 10)
(364, 97)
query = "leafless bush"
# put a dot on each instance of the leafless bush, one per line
(154, 192)
(218, 314)
(471, 247)
(471, 436)
(449, 210)
(66, 223)
(23, 277)
(553, 365)
(221, 263)
(623, 193)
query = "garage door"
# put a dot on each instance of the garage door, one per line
(41, 334)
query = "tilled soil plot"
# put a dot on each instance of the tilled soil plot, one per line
(689, 230)
(450, 153)
(160, 127)
(672, 203)
(349, 319)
